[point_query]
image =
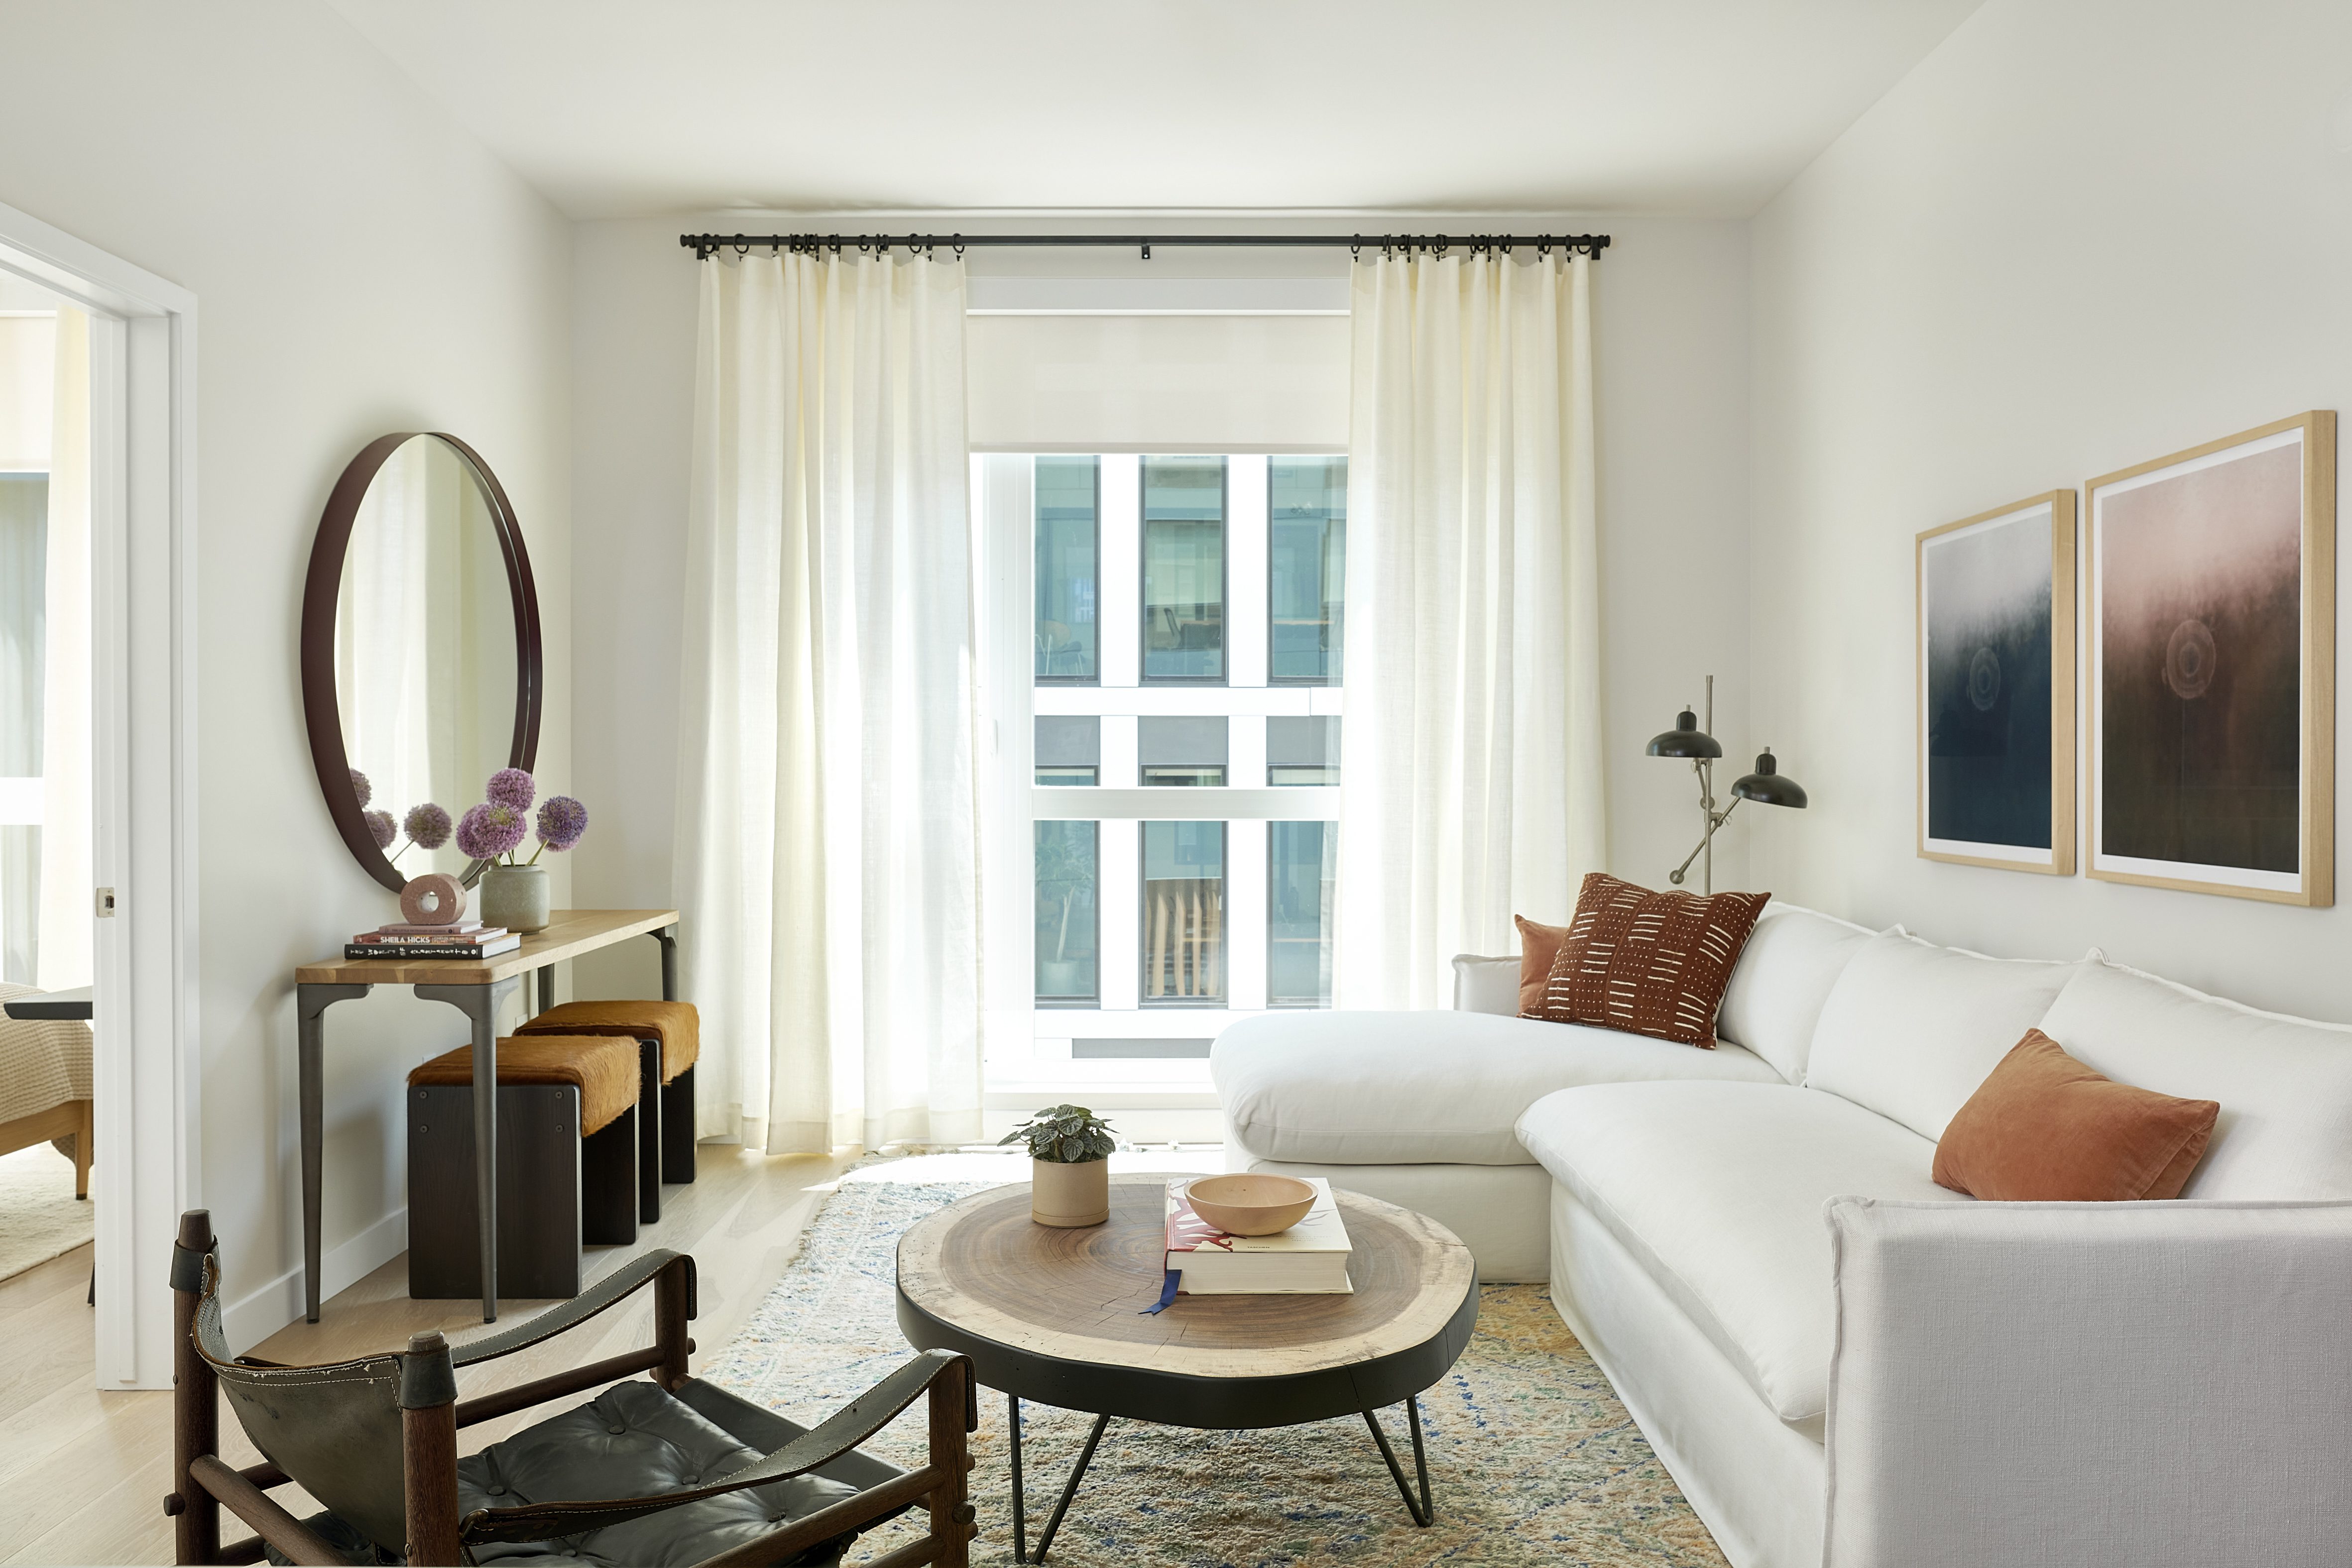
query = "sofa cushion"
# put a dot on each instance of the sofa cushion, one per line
(2043, 1128)
(1910, 1028)
(1649, 963)
(1404, 1088)
(1784, 975)
(1716, 1189)
(2284, 1083)
(1484, 985)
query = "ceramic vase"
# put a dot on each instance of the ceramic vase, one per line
(515, 896)
(1069, 1196)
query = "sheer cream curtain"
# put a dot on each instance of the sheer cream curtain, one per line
(827, 844)
(1473, 776)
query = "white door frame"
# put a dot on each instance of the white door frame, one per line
(142, 774)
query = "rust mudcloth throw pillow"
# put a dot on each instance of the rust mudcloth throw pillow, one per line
(2044, 1127)
(1649, 963)
(1539, 945)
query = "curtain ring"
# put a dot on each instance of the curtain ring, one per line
(1356, 248)
(958, 247)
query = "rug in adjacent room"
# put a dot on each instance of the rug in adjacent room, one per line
(40, 1218)
(1531, 1458)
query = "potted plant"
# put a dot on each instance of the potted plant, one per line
(514, 891)
(1069, 1166)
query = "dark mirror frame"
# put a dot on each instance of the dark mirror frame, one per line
(322, 590)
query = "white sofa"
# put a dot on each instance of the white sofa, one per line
(1839, 1360)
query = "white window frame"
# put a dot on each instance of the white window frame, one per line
(1028, 1048)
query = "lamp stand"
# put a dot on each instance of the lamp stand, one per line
(1711, 819)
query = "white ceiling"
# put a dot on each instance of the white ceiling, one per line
(617, 108)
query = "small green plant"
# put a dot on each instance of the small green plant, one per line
(1064, 1135)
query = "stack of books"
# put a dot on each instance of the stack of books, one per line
(1311, 1259)
(466, 939)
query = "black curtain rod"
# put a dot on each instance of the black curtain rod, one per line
(705, 245)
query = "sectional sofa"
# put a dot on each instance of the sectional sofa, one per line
(1839, 1360)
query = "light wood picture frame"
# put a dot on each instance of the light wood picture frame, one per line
(1994, 643)
(2210, 715)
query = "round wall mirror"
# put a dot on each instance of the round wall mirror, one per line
(421, 672)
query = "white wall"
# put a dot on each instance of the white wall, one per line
(2081, 234)
(360, 266)
(1670, 334)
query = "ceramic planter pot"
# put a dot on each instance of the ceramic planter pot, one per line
(1069, 1196)
(515, 896)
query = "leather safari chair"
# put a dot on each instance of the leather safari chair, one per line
(668, 1470)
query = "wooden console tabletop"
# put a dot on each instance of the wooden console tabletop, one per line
(572, 933)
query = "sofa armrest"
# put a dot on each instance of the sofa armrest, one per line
(1487, 984)
(2089, 1384)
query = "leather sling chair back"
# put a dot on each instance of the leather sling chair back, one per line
(670, 1471)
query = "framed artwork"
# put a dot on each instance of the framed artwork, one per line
(1996, 667)
(2213, 667)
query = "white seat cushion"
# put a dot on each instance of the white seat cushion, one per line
(1784, 975)
(1717, 1190)
(2284, 1085)
(1407, 1088)
(1910, 1030)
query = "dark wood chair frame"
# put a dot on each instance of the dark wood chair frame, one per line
(432, 1415)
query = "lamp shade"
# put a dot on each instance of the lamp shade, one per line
(1686, 739)
(1767, 787)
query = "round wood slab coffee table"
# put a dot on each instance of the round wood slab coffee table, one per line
(1058, 1316)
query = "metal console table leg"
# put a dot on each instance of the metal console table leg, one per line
(667, 938)
(310, 1005)
(480, 1004)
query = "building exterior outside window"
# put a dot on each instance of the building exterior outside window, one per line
(1068, 931)
(1183, 569)
(1300, 858)
(1183, 914)
(1070, 749)
(1307, 530)
(1067, 637)
(1187, 752)
(1302, 753)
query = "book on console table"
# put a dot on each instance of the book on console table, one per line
(410, 951)
(1311, 1259)
(463, 931)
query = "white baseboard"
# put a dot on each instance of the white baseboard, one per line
(254, 1317)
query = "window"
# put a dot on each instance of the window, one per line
(1070, 749)
(1156, 917)
(1302, 752)
(1183, 569)
(1307, 575)
(1298, 912)
(1183, 914)
(1068, 543)
(1068, 931)
(1180, 752)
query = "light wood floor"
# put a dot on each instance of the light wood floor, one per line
(83, 1473)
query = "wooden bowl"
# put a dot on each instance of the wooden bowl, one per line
(1251, 1203)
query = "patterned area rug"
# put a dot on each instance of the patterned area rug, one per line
(1531, 1458)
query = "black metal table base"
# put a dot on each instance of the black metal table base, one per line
(1420, 1508)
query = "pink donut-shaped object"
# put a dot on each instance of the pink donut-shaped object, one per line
(432, 899)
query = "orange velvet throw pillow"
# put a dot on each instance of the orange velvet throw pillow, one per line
(2043, 1126)
(1539, 945)
(1649, 963)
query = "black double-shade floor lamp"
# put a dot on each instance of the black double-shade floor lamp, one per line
(1768, 785)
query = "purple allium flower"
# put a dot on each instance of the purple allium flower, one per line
(427, 826)
(511, 787)
(381, 827)
(487, 831)
(362, 788)
(561, 821)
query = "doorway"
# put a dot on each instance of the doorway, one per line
(129, 887)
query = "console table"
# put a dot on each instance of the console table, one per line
(476, 987)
